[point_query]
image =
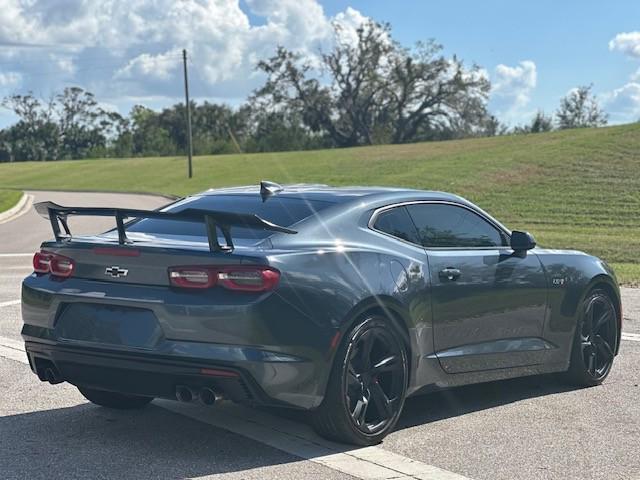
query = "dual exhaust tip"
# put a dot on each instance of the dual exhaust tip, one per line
(206, 395)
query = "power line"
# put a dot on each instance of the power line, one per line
(101, 67)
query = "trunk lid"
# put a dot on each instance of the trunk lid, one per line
(146, 261)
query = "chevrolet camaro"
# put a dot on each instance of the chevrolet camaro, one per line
(338, 301)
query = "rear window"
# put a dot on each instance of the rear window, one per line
(284, 211)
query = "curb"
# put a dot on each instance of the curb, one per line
(20, 208)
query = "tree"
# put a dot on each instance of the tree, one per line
(376, 90)
(279, 131)
(149, 138)
(540, 123)
(431, 94)
(68, 125)
(35, 136)
(82, 123)
(580, 109)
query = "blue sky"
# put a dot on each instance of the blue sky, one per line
(568, 40)
(128, 51)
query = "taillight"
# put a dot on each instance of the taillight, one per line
(41, 262)
(249, 279)
(61, 266)
(58, 265)
(239, 278)
(192, 277)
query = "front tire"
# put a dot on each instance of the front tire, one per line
(367, 386)
(115, 400)
(595, 340)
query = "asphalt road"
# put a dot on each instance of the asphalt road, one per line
(532, 428)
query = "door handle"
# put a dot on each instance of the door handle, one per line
(450, 273)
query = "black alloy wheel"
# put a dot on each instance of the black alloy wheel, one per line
(374, 381)
(596, 339)
(368, 385)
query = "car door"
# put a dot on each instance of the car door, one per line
(488, 302)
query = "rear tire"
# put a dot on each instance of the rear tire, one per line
(367, 386)
(595, 340)
(115, 400)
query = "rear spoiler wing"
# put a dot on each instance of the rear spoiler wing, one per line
(213, 220)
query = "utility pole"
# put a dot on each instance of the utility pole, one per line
(188, 105)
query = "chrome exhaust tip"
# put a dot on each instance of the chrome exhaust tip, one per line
(209, 396)
(184, 394)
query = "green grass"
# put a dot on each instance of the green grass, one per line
(8, 198)
(571, 189)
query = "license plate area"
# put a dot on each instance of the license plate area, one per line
(111, 325)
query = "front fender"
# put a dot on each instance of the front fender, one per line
(570, 277)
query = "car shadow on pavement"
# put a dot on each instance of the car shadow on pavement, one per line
(86, 441)
(454, 402)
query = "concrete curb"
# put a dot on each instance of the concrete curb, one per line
(20, 208)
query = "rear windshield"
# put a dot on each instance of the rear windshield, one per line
(284, 211)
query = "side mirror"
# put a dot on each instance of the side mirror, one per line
(521, 241)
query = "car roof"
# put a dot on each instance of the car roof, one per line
(328, 193)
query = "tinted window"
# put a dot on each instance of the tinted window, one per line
(397, 222)
(441, 225)
(281, 211)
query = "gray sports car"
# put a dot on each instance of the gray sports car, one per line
(339, 301)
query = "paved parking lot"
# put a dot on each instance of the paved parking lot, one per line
(532, 428)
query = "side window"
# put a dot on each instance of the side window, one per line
(442, 225)
(397, 222)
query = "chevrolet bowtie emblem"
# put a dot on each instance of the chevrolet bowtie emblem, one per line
(116, 272)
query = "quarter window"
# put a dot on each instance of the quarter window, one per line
(397, 222)
(443, 225)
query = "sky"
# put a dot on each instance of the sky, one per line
(129, 51)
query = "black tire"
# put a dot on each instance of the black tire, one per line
(594, 343)
(345, 414)
(115, 400)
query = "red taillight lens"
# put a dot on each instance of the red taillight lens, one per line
(239, 278)
(42, 262)
(61, 266)
(249, 279)
(192, 277)
(58, 265)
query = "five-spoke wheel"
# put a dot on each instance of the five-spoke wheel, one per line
(374, 384)
(595, 341)
(368, 385)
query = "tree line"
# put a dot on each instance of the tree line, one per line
(365, 91)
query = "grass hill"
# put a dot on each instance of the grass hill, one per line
(8, 198)
(572, 189)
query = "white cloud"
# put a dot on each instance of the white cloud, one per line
(129, 48)
(348, 23)
(515, 83)
(511, 90)
(161, 66)
(627, 43)
(623, 104)
(9, 79)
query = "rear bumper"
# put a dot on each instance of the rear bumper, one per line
(152, 374)
(129, 374)
(281, 358)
